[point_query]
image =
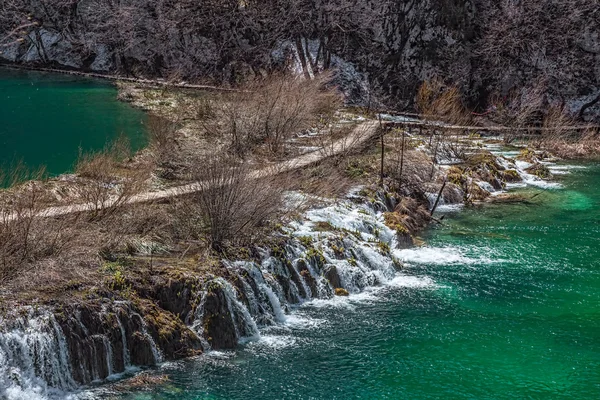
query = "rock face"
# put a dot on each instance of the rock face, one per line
(105, 338)
(483, 46)
(220, 330)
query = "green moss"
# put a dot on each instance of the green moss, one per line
(511, 175)
(476, 193)
(338, 250)
(306, 241)
(539, 170)
(527, 155)
(456, 175)
(278, 252)
(384, 248)
(316, 256)
(484, 159)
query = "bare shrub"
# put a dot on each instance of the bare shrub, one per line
(268, 112)
(109, 184)
(440, 103)
(407, 168)
(562, 135)
(162, 142)
(24, 236)
(437, 101)
(520, 110)
(558, 125)
(426, 94)
(231, 205)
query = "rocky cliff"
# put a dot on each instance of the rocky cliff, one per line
(489, 49)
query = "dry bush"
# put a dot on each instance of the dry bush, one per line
(231, 205)
(557, 124)
(519, 110)
(161, 135)
(560, 137)
(25, 237)
(407, 172)
(439, 102)
(453, 146)
(109, 184)
(442, 103)
(268, 112)
(426, 94)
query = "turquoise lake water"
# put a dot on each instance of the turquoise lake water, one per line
(502, 303)
(46, 118)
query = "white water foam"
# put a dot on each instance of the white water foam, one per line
(410, 281)
(441, 256)
(564, 169)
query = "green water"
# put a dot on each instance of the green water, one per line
(506, 306)
(46, 118)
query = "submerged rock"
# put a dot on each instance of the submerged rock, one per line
(331, 274)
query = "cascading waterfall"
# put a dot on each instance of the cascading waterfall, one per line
(34, 360)
(244, 324)
(109, 355)
(126, 354)
(352, 253)
(197, 324)
(158, 357)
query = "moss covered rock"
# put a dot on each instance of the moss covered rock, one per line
(539, 170)
(511, 175)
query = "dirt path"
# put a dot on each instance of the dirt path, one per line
(354, 139)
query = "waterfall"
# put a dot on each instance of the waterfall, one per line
(158, 357)
(197, 324)
(341, 245)
(109, 355)
(34, 360)
(345, 245)
(275, 304)
(126, 355)
(244, 324)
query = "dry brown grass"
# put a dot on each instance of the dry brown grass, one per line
(584, 144)
(437, 101)
(109, 184)
(162, 140)
(267, 112)
(26, 240)
(519, 110)
(340, 139)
